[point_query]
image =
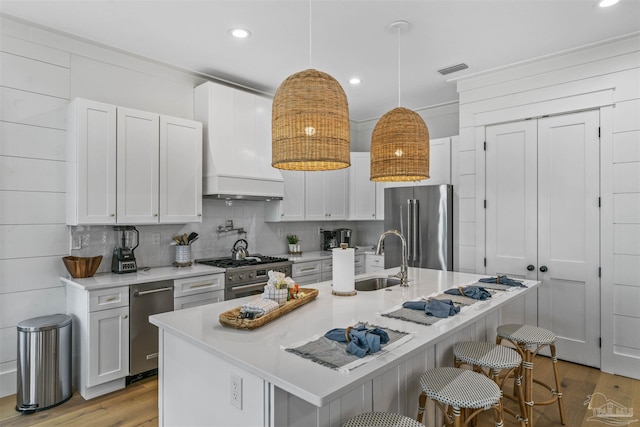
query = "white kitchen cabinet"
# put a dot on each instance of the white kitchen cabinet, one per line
(291, 207)
(91, 163)
(100, 339)
(128, 166)
(307, 272)
(374, 263)
(180, 170)
(366, 197)
(326, 195)
(327, 269)
(138, 167)
(199, 290)
(108, 343)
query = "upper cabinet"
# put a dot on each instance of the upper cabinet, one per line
(439, 165)
(326, 195)
(132, 167)
(291, 207)
(366, 197)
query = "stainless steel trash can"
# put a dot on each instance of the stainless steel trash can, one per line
(44, 362)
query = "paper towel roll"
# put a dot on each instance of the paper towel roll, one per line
(343, 270)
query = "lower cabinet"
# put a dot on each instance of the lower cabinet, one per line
(306, 273)
(200, 290)
(100, 355)
(374, 263)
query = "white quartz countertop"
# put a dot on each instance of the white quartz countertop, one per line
(153, 274)
(260, 351)
(316, 255)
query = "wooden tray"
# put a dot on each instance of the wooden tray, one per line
(231, 318)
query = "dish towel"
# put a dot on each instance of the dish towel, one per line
(503, 280)
(362, 341)
(442, 308)
(257, 308)
(475, 292)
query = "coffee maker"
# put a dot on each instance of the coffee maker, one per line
(343, 235)
(329, 240)
(126, 239)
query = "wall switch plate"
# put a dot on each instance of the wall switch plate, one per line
(156, 238)
(236, 391)
(280, 232)
(76, 242)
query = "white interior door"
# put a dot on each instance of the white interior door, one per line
(542, 223)
(568, 234)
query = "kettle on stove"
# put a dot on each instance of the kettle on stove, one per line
(239, 250)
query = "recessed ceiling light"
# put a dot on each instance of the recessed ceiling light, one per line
(240, 33)
(607, 3)
(354, 81)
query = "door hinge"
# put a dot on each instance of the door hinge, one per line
(599, 271)
(599, 202)
(598, 132)
(485, 203)
(600, 342)
(485, 146)
(485, 262)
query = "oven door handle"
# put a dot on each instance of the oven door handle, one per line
(252, 285)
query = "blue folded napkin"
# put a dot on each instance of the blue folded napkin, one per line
(475, 292)
(436, 307)
(362, 340)
(503, 280)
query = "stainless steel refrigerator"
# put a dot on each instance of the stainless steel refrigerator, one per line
(424, 215)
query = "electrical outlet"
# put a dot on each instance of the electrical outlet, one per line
(156, 238)
(319, 231)
(76, 242)
(280, 232)
(236, 391)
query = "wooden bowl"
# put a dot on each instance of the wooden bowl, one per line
(80, 267)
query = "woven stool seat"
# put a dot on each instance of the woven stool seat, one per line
(526, 334)
(528, 341)
(460, 388)
(382, 419)
(487, 355)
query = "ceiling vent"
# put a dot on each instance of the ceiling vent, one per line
(453, 69)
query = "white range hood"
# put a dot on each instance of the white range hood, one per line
(237, 144)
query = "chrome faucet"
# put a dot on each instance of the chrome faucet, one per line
(404, 278)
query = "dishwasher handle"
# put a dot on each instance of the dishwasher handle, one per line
(152, 291)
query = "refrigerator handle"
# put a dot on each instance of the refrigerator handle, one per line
(415, 230)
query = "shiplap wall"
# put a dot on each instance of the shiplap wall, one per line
(604, 77)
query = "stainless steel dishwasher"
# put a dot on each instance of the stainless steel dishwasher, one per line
(146, 299)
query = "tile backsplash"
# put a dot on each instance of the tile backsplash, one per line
(267, 238)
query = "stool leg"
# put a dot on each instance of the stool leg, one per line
(554, 359)
(527, 365)
(457, 419)
(517, 387)
(422, 403)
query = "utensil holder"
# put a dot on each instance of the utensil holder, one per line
(183, 254)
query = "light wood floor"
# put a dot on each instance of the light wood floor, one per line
(137, 404)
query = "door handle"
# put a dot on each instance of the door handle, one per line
(152, 291)
(531, 267)
(544, 268)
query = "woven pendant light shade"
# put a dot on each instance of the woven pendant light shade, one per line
(310, 123)
(400, 147)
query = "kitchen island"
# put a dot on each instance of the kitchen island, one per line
(215, 375)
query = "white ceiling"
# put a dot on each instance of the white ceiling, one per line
(348, 38)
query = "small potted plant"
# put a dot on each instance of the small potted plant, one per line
(293, 240)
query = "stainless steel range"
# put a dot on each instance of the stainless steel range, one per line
(247, 276)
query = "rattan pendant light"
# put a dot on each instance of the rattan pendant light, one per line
(310, 122)
(400, 140)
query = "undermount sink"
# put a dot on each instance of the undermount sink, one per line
(375, 283)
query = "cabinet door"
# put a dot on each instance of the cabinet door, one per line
(91, 163)
(292, 204)
(335, 192)
(108, 345)
(314, 205)
(138, 167)
(180, 170)
(362, 191)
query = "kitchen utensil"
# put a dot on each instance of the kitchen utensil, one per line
(239, 250)
(192, 236)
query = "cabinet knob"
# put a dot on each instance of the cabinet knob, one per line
(155, 214)
(199, 214)
(126, 316)
(112, 215)
(544, 268)
(531, 267)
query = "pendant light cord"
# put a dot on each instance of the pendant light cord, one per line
(399, 66)
(309, 33)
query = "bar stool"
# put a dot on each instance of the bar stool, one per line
(453, 389)
(381, 419)
(494, 358)
(528, 341)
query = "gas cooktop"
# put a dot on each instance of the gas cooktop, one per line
(228, 262)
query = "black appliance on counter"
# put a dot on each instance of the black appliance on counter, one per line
(333, 238)
(248, 276)
(126, 239)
